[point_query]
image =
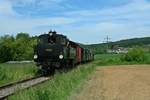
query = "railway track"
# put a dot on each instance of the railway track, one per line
(11, 88)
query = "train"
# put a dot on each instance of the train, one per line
(55, 51)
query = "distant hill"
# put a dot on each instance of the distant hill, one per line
(101, 48)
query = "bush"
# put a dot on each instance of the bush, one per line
(16, 48)
(135, 54)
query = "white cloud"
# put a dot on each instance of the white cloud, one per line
(94, 33)
(130, 20)
(6, 8)
(13, 22)
(134, 6)
(13, 25)
(39, 3)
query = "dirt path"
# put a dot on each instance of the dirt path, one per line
(128, 82)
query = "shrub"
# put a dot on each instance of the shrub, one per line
(135, 54)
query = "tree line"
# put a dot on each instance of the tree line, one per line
(15, 48)
(128, 43)
(20, 47)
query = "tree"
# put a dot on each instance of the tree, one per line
(6, 45)
(17, 48)
(24, 36)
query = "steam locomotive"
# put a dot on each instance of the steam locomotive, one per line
(55, 51)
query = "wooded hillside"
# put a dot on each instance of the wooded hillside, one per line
(101, 48)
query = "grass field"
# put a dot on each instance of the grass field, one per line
(13, 72)
(116, 59)
(59, 87)
(64, 84)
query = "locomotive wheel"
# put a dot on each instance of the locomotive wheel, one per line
(65, 67)
(72, 64)
(46, 70)
(50, 70)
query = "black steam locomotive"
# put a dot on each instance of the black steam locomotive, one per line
(55, 51)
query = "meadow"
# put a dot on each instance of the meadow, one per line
(14, 72)
(116, 59)
(58, 88)
(64, 84)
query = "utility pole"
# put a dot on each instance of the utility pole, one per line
(107, 40)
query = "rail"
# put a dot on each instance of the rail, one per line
(11, 88)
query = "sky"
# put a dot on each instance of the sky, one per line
(84, 21)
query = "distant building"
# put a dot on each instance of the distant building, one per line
(117, 50)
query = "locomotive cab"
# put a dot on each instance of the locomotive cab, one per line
(51, 43)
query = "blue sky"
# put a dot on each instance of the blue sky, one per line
(85, 21)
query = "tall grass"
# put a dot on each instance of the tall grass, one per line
(60, 87)
(117, 59)
(3, 74)
(13, 72)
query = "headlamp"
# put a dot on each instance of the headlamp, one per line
(51, 34)
(35, 56)
(61, 56)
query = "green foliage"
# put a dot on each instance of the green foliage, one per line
(97, 49)
(24, 36)
(132, 42)
(21, 46)
(18, 48)
(135, 54)
(6, 45)
(108, 59)
(118, 59)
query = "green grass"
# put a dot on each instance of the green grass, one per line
(13, 72)
(64, 84)
(116, 59)
(60, 87)
(148, 58)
